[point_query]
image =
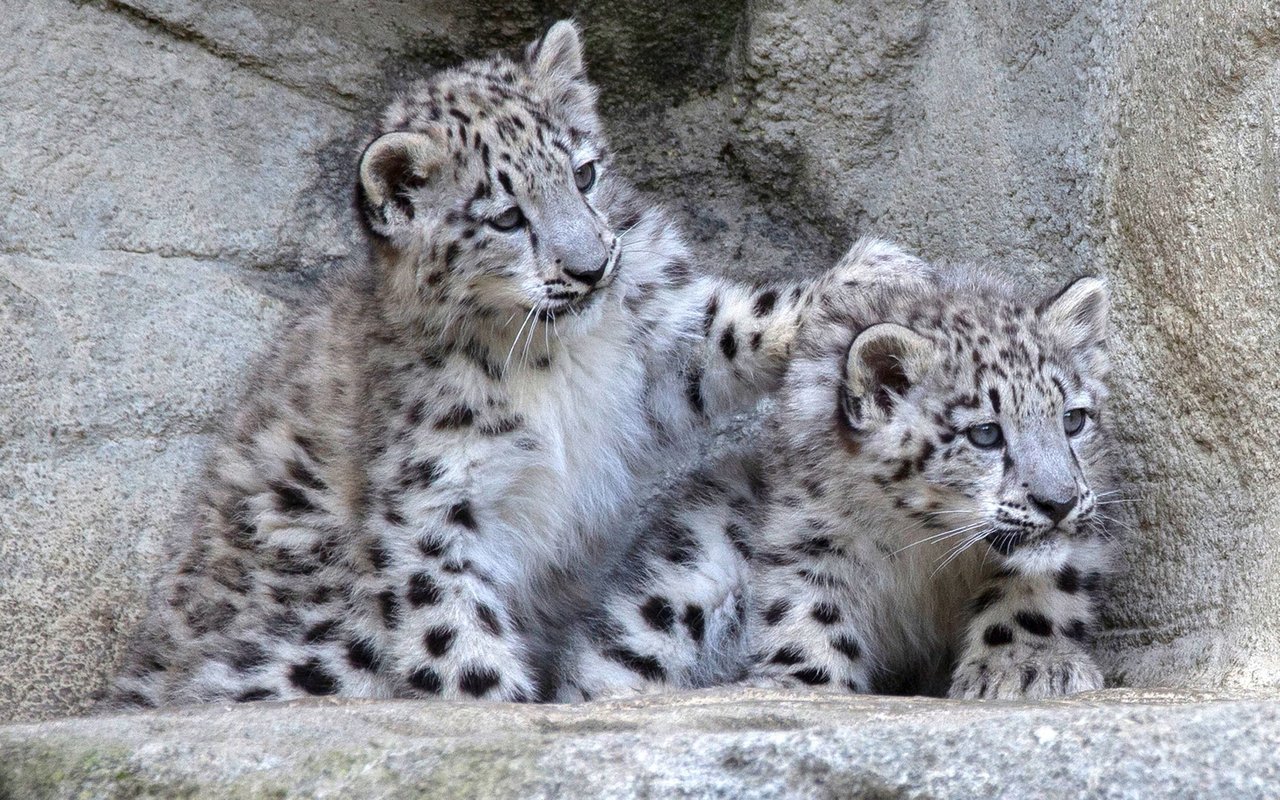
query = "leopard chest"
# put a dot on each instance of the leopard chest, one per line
(576, 461)
(544, 462)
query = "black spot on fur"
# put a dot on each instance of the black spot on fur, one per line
(1076, 629)
(848, 647)
(313, 678)
(476, 681)
(489, 619)
(988, 598)
(1068, 580)
(363, 656)
(1034, 622)
(787, 656)
(695, 621)
(996, 635)
(709, 317)
(304, 476)
(438, 640)
(659, 614)
(815, 546)
(392, 515)
(431, 547)
(813, 676)
(423, 590)
(681, 545)
(426, 679)
(247, 656)
(254, 695)
(757, 339)
(826, 613)
(738, 538)
(765, 302)
(292, 500)
(693, 389)
(425, 472)
(645, 666)
(817, 578)
(994, 396)
(776, 611)
(502, 426)
(1028, 676)
(456, 418)
(460, 514)
(389, 608)
(321, 631)
(378, 556)
(729, 343)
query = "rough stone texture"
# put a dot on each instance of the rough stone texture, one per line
(1193, 199)
(173, 173)
(1114, 744)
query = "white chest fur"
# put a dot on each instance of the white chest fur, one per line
(555, 490)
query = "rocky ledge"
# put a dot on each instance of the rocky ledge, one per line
(1115, 743)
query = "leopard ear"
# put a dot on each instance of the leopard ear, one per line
(558, 54)
(391, 168)
(1077, 316)
(883, 363)
(556, 65)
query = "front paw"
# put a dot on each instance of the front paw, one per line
(1026, 675)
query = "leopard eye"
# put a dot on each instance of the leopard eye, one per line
(584, 177)
(1073, 421)
(987, 435)
(508, 220)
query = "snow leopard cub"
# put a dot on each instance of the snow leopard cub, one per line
(437, 457)
(932, 521)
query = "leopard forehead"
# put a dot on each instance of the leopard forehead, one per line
(499, 109)
(996, 360)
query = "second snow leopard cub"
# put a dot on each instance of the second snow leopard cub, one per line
(932, 521)
(439, 454)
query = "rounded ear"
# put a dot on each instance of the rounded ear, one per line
(1077, 316)
(883, 363)
(558, 54)
(390, 168)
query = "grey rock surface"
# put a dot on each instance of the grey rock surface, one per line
(1113, 744)
(174, 174)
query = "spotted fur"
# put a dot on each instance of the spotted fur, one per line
(892, 552)
(435, 461)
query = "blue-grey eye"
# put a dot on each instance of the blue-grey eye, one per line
(986, 435)
(1073, 421)
(584, 177)
(508, 220)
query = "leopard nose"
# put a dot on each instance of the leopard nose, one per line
(589, 277)
(1054, 509)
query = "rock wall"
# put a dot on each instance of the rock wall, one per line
(173, 174)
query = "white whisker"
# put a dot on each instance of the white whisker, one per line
(940, 536)
(525, 321)
(959, 549)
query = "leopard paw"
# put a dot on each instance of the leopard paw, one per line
(1028, 676)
